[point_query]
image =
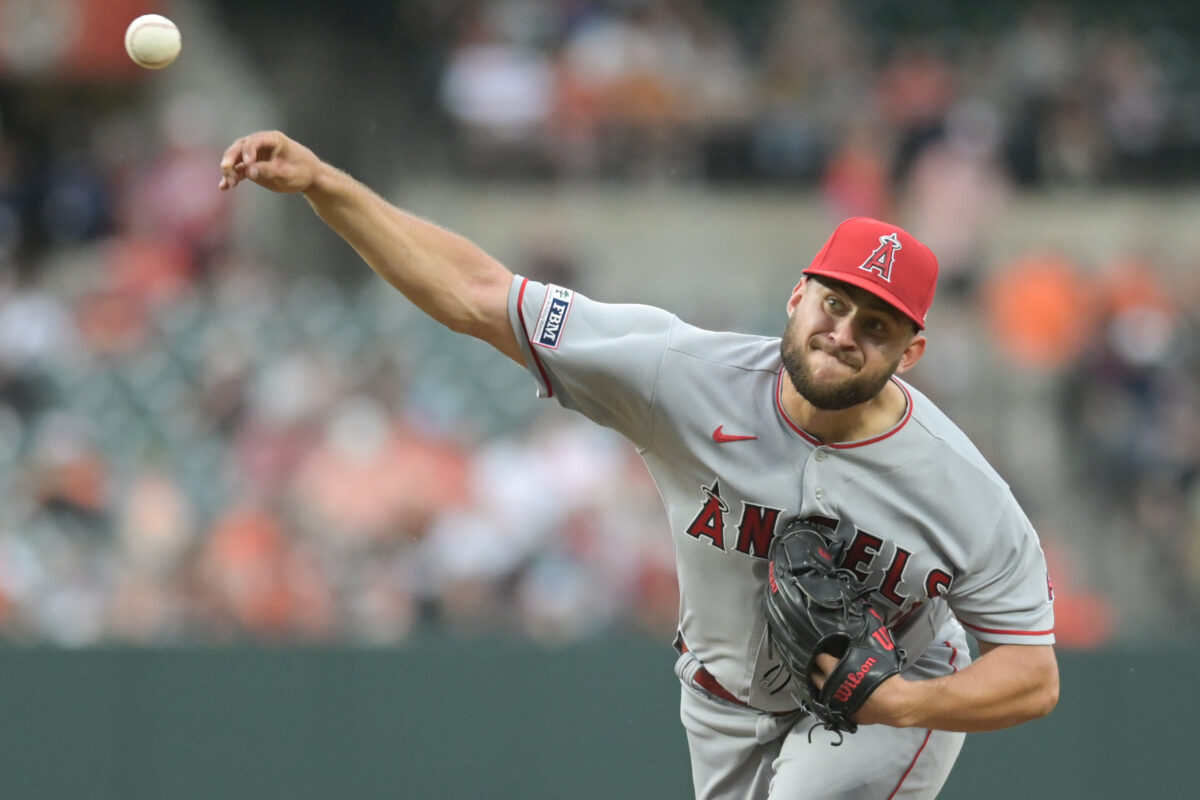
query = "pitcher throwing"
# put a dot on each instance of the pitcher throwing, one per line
(745, 436)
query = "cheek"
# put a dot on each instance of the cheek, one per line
(891, 360)
(882, 356)
(793, 332)
(808, 320)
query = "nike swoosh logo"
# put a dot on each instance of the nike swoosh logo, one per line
(721, 437)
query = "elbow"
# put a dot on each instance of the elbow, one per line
(1045, 701)
(1045, 698)
(481, 308)
(488, 325)
(1051, 694)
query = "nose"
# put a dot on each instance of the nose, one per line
(842, 332)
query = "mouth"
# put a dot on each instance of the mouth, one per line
(845, 359)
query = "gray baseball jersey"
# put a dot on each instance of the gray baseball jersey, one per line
(927, 522)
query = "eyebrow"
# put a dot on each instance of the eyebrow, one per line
(861, 297)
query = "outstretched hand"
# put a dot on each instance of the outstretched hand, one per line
(271, 160)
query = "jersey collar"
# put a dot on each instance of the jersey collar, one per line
(908, 410)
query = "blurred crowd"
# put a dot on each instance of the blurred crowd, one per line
(815, 89)
(195, 449)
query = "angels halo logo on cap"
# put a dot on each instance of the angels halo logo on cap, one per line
(883, 259)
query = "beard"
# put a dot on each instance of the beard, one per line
(829, 395)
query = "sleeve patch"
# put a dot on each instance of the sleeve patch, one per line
(553, 317)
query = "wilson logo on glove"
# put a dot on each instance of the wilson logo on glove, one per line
(846, 690)
(884, 637)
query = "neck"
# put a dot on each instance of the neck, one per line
(863, 421)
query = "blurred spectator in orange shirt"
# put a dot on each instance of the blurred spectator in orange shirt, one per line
(1041, 311)
(263, 582)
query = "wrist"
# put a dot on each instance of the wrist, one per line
(912, 700)
(897, 702)
(324, 180)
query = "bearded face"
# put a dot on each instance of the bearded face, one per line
(856, 383)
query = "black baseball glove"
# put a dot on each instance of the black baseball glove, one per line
(814, 606)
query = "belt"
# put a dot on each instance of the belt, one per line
(705, 680)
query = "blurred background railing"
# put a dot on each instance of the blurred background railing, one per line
(217, 426)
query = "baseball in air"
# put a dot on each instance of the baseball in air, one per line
(153, 41)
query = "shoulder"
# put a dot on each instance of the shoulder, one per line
(740, 351)
(946, 445)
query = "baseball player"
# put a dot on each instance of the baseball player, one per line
(744, 434)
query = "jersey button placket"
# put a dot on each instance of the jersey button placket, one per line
(819, 456)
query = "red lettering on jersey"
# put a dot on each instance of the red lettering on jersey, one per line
(861, 553)
(937, 583)
(756, 529)
(710, 521)
(892, 576)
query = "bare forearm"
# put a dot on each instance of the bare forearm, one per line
(444, 274)
(1007, 686)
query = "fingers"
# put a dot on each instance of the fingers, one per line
(231, 165)
(245, 158)
(825, 664)
(260, 147)
(271, 160)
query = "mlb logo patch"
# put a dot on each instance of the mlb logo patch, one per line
(550, 322)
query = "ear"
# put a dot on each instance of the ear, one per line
(797, 293)
(912, 353)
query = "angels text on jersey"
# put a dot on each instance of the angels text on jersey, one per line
(898, 575)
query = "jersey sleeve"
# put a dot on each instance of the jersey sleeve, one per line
(1007, 598)
(600, 359)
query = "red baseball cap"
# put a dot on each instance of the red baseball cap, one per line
(885, 260)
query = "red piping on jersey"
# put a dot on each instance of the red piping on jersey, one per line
(525, 332)
(953, 656)
(928, 733)
(911, 764)
(1003, 632)
(846, 445)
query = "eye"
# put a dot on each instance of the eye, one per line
(877, 326)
